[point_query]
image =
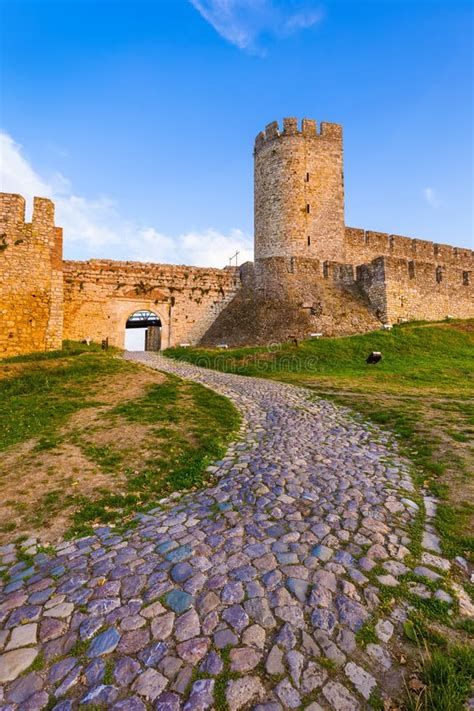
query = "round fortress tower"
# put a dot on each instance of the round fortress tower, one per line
(299, 191)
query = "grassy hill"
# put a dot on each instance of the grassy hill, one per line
(417, 355)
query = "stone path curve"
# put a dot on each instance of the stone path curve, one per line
(250, 592)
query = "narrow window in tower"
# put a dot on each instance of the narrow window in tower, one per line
(309, 241)
(307, 178)
(307, 208)
(439, 274)
(465, 278)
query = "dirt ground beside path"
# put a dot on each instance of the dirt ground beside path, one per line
(92, 439)
(39, 477)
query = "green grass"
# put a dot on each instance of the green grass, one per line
(327, 663)
(108, 672)
(38, 663)
(366, 633)
(37, 401)
(375, 701)
(416, 355)
(222, 680)
(185, 426)
(48, 443)
(157, 406)
(451, 522)
(70, 348)
(418, 631)
(448, 679)
(105, 456)
(467, 625)
(195, 425)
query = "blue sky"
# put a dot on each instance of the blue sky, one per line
(138, 117)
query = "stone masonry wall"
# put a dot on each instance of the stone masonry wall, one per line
(422, 290)
(299, 191)
(293, 297)
(362, 246)
(31, 284)
(407, 290)
(396, 289)
(99, 296)
(371, 279)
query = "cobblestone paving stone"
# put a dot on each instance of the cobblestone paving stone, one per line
(249, 592)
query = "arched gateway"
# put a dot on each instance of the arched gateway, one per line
(143, 331)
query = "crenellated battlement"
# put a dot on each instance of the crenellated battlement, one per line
(12, 208)
(291, 127)
(186, 299)
(364, 245)
(12, 219)
(299, 190)
(401, 289)
(43, 212)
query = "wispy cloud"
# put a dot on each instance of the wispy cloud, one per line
(431, 198)
(244, 22)
(94, 227)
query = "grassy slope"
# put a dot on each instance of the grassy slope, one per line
(35, 400)
(184, 424)
(436, 357)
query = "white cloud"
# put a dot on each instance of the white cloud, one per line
(95, 227)
(431, 198)
(223, 15)
(244, 22)
(94, 223)
(209, 248)
(16, 171)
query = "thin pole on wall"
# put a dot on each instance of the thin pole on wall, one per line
(234, 256)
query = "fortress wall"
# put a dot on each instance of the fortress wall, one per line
(339, 273)
(371, 279)
(31, 314)
(401, 289)
(99, 296)
(423, 290)
(311, 296)
(278, 277)
(362, 246)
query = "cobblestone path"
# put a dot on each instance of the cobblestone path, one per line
(249, 593)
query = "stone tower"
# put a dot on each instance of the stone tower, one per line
(299, 192)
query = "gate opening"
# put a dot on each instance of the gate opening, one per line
(143, 332)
